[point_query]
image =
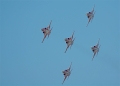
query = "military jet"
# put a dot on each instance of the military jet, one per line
(46, 31)
(95, 49)
(90, 15)
(69, 41)
(67, 73)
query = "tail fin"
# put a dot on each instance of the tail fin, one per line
(93, 8)
(73, 34)
(50, 23)
(70, 65)
(98, 42)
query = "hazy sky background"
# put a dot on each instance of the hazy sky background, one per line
(25, 61)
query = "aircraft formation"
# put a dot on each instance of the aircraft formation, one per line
(70, 40)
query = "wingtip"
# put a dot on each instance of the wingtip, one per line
(87, 25)
(42, 41)
(92, 59)
(94, 6)
(65, 51)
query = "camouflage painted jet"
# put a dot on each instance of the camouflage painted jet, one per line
(90, 15)
(46, 31)
(67, 73)
(95, 49)
(69, 41)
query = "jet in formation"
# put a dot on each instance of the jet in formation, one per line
(95, 49)
(46, 31)
(69, 41)
(90, 15)
(67, 73)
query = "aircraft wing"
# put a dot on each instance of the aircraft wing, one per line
(64, 79)
(44, 37)
(93, 55)
(88, 21)
(67, 48)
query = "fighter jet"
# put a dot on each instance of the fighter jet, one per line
(90, 15)
(95, 49)
(69, 41)
(46, 31)
(67, 73)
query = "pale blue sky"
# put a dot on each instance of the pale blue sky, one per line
(25, 61)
